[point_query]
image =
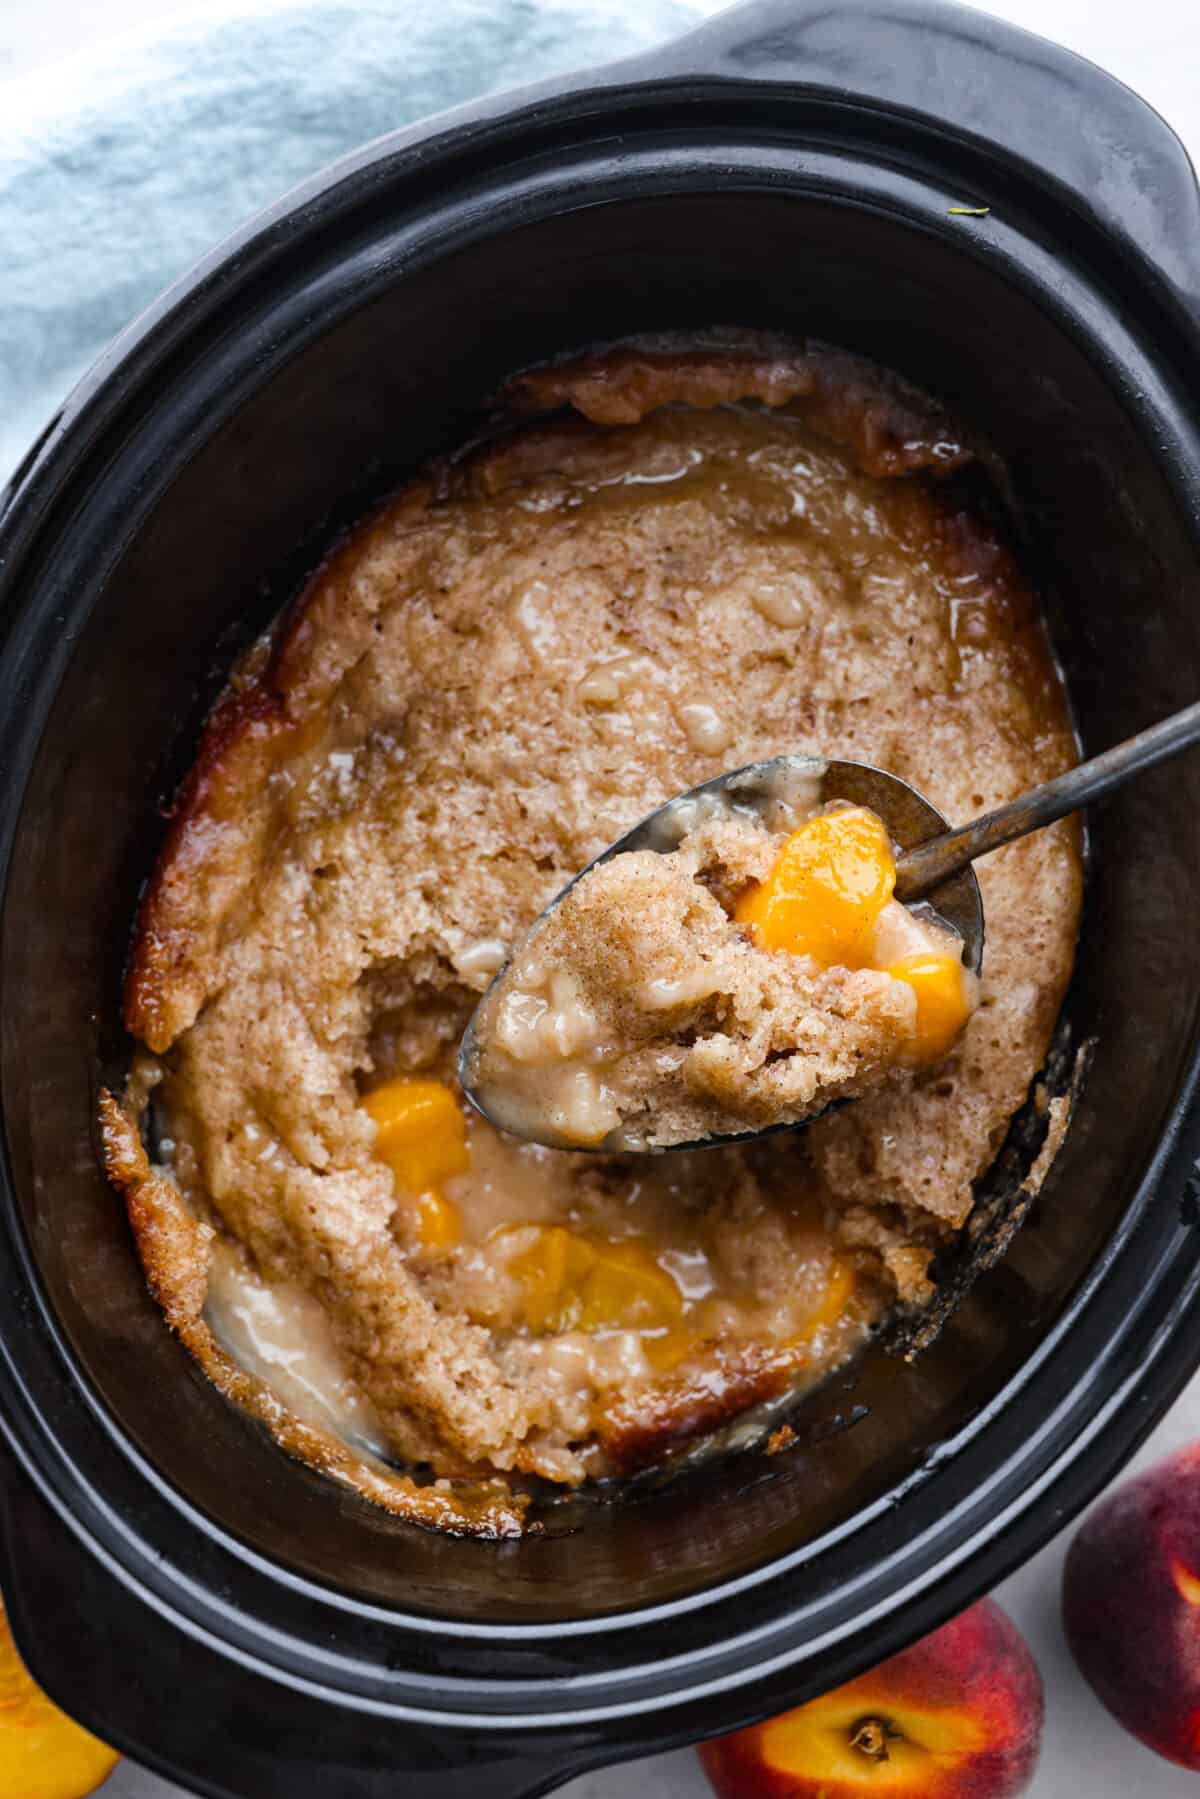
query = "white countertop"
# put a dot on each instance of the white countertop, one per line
(1153, 45)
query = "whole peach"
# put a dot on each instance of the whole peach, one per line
(43, 1753)
(956, 1716)
(1131, 1605)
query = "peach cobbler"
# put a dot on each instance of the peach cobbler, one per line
(674, 559)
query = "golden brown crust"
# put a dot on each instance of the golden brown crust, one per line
(174, 1250)
(207, 839)
(173, 1246)
(890, 427)
(214, 839)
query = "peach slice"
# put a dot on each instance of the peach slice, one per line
(1131, 1605)
(823, 897)
(573, 1282)
(943, 1005)
(956, 1716)
(43, 1753)
(421, 1133)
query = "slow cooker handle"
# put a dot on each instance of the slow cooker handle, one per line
(133, 1677)
(977, 77)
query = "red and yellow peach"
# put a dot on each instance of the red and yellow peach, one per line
(956, 1716)
(1131, 1605)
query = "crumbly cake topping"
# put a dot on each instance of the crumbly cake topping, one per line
(745, 979)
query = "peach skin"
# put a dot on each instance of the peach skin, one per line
(956, 1716)
(1131, 1605)
(43, 1754)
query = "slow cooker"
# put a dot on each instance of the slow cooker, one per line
(1019, 234)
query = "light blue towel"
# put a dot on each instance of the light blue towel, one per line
(120, 167)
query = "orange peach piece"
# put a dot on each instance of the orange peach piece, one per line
(437, 1225)
(627, 1289)
(939, 982)
(576, 1283)
(956, 1716)
(1131, 1605)
(421, 1133)
(43, 1753)
(831, 880)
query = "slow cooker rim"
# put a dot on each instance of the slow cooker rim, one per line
(58, 451)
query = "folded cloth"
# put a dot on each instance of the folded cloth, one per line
(120, 166)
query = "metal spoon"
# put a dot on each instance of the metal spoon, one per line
(934, 863)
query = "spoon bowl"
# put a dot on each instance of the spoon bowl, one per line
(781, 791)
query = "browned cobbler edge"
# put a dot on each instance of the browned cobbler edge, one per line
(276, 698)
(890, 427)
(173, 1247)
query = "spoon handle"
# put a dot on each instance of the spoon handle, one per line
(927, 865)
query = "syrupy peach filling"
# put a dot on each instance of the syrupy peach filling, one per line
(741, 981)
(606, 1282)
